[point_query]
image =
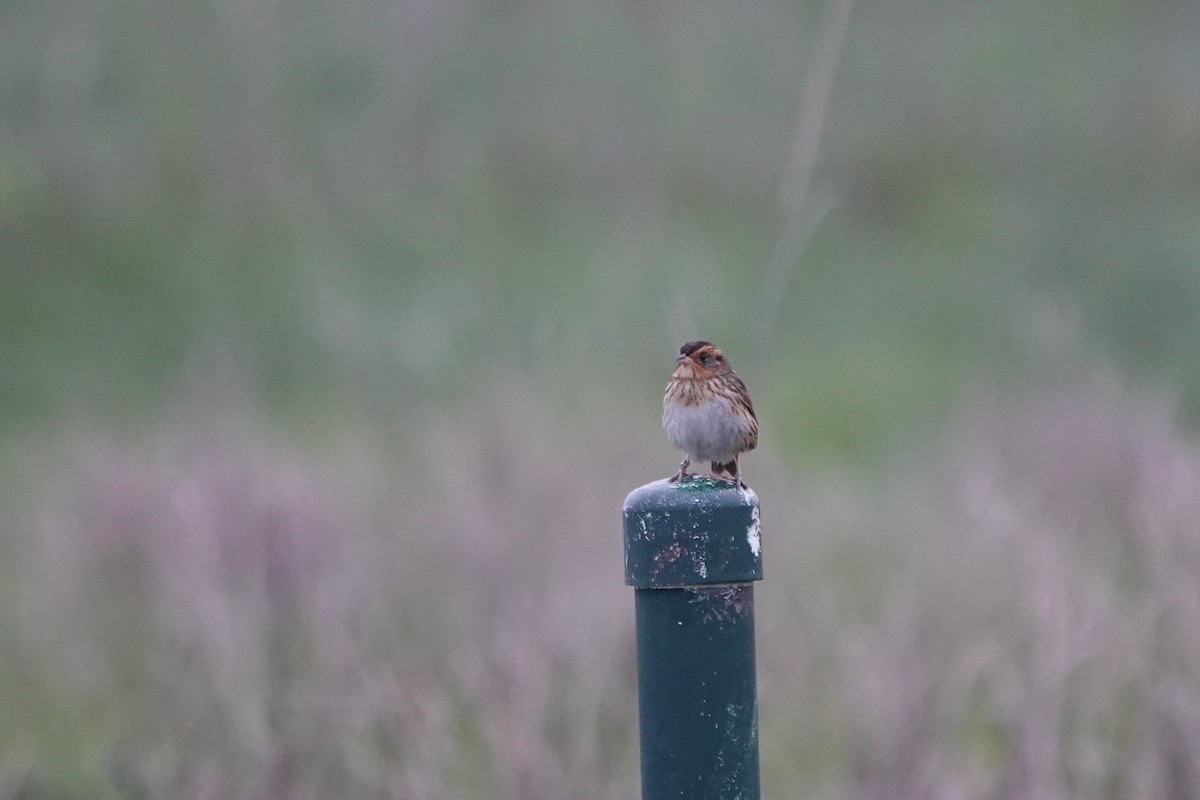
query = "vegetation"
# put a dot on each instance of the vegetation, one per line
(335, 335)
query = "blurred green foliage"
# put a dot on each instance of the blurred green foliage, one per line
(348, 203)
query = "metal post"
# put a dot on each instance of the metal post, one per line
(691, 552)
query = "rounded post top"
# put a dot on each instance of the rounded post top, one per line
(697, 532)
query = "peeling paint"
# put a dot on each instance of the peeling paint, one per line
(679, 534)
(667, 556)
(724, 603)
(753, 533)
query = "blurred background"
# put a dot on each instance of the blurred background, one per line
(332, 337)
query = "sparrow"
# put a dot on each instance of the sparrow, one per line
(707, 412)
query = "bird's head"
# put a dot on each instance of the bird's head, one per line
(700, 360)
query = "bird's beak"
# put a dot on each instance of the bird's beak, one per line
(681, 359)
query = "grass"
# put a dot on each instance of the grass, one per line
(334, 337)
(1007, 613)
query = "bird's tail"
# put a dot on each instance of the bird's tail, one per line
(728, 468)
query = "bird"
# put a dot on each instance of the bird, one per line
(707, 412)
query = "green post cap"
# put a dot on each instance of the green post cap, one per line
(695, 532)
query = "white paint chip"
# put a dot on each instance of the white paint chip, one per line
(752, 533)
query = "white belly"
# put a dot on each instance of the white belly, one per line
(709, 432)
